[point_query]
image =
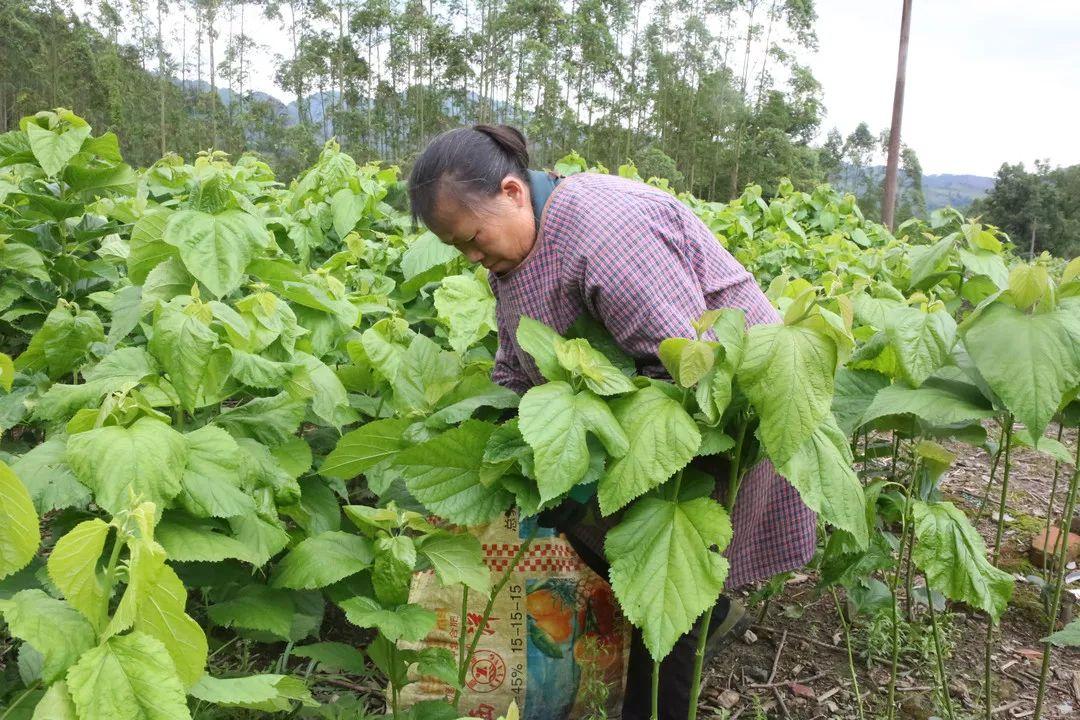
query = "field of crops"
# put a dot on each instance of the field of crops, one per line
(230, 409)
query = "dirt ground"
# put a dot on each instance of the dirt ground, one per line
(794, 663)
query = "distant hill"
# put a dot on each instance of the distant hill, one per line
(956, 190)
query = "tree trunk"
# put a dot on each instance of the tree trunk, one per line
(888, 204)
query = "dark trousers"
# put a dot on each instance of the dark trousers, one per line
(676, 670)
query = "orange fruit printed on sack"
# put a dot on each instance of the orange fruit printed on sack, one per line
(550, 614)
(599, 650)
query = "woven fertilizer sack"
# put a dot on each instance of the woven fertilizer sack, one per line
(555, 642)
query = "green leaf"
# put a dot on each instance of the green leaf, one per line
(662, 439)
(148, 250)
(444, 474)
(1028, 284)
(50, 626)
(211, 478)
(216, 248)
(19, 531)
(126, 309)
(257, 607)
(119, 371)
(426, 373)
(188, 351)
(53, 149)
(539, 341)
(922, 341)
(62, 342)
(408, 622)
(334, 657)
(801, 361)
(821, 471)
(666, 567)
(1030, 361)
(937, 402)
(464, 304)
(323, 560)
(265, 693)
(1068, 636)
(925, 259)
(555, 420)
(439, 663)
(148, 457)
(7, 372)
(48, 478)
(269, 420)
(687, 361)
(263, 537)
(24, 259)
(128, 676)
(476, 390)
(189, 540)
(348, 208)
(855, 390)
(600, 375)
(72, 567)
(329, 401)
(457, 558)
(365, 447)
(424, 253)
(985, 262)
(952, 555)
(56, 704)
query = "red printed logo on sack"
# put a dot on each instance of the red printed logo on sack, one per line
(486, 672)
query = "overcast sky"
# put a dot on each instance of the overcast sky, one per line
(988, 81)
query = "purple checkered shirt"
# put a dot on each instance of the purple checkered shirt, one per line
(640, 262)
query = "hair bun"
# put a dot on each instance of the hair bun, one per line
(510, 140)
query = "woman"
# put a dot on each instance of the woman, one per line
(642, 264)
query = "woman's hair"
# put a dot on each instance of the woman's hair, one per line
(467, 162)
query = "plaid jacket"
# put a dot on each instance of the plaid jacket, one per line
(640, 262)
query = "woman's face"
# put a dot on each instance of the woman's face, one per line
(498, 231)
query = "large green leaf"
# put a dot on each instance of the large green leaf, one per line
(662, 440)
(188, 351)
(129, 677)
(424, 253)
(539, 341)
(937, 402)
(464, 304)
(787, 374)
(120, 370)
(270, 420)
(457, 558)
(47, 476)
(365, 447)
(19, 532)
(334, 657)
(555, 420)
(329, 400)
(187, 539)
(666, 567)
(148, 250)
(72, 567)
(50, 626)
(147, 457)
(425, 374)
(62, 342)
(854, 392)
(265, 693)
(952, 554)
(922, 341)
(54, 148)
(821, 471)
(926, 259)
(216, 248)
(1068, 636)
(56, 704)
(323, 560)
(211, 478)
(408, 622)
(1030, 361)
(444, 475)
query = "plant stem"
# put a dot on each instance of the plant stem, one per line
(699, 660)
(943, 679)
(110, 569)
(487, 610)
(988, 691)
(993, 472)
(895, 453)
(12, 706)
(735, 470)
(1050, 505)
(393, 686)
(655, 690)
(850, 655)
(1059, 583)
(893, 586)
(462, 625)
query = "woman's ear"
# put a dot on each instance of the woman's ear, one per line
(516, 190)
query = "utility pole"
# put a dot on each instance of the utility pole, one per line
(888, 206)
